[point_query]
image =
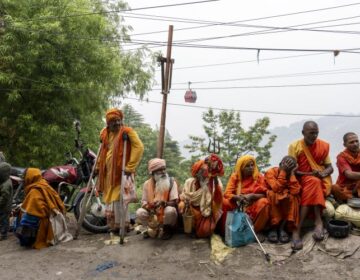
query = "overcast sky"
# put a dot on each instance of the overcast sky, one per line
(182, 121)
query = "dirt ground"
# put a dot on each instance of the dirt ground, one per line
(179, 258)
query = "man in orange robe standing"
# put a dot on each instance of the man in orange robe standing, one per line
(348, 162)
(314, 169)
(246, 185)
(109, 166)
(284, 196)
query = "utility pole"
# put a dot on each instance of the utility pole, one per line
(165, 90)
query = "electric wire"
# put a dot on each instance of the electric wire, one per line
(247, 111)
(269, 86)
(290, 75)
(117, 11)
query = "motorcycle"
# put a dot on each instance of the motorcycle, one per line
(70, 181)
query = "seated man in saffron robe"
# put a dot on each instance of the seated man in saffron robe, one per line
(313, 173)
(284, 197)
(159, 199)
(348, 162)
(246, 185)
(203, 195)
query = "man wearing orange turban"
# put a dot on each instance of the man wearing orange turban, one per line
(246, 185)
(110, 165)
(159, 198)
(202, 194)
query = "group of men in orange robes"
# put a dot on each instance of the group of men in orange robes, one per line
(279, 200)
(286, 195)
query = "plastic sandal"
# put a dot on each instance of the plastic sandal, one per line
(283, 237)
(272, 236)
(318, 234)
(296, 245)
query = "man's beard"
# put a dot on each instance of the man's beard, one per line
(204, 182)
(162, 183)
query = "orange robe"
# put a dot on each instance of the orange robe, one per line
(344, 187)
(284, 197)
(110, 160)
(204, 225)
(40, 200)
(313, 189)
(258, 210)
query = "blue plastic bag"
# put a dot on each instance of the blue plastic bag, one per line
(237, 229)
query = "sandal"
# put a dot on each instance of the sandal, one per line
(273, 236)
(296, 245)
(283, 237)
(318, 234)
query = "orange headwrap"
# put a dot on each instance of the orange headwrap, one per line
(219, 168)
(113, 114)
(156, 164)
(196, 167)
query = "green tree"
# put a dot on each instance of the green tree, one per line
(57, 66)
(225, 129)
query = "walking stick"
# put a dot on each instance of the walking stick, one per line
(267, 256)
(87, 197)
(123, 207)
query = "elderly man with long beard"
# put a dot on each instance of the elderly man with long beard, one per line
(159, 200)
(203, 194)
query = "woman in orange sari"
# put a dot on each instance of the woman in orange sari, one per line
(246, 186)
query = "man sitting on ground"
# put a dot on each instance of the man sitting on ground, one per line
(313, 173)
(159, 199)
(203, 195)
(348, 162)
(284, 197)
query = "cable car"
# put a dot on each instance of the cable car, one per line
(190, 95)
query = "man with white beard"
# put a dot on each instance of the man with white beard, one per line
(159, 199)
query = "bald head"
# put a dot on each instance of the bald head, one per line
(310, 132)
(310, 124)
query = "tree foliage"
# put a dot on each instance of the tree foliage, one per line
(57, 66)
(225, 129)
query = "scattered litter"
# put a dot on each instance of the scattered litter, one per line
(106, 265)
(58, 273)
(114, 239)
(211, 272)
(203, 262)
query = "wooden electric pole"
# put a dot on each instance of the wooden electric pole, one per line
(165, 89)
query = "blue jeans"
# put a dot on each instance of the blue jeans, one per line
(4, 223)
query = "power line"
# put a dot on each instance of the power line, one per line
(250, 111)
(278, 29)
(157, 43)
(299, 74)
(117, 11)
(245, 20)
(269, 86)
(245, 61)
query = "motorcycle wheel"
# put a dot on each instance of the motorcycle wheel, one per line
(94, 220)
